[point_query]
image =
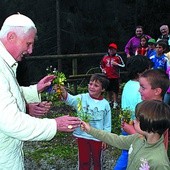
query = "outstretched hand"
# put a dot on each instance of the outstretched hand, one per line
(45, 82)
(85, 126)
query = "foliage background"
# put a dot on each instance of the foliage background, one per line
(78, 26)
(88, 26)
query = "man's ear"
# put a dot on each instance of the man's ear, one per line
(11, 36)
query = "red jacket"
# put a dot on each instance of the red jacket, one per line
(111, 71)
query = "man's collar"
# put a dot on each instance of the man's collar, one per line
(6, 55)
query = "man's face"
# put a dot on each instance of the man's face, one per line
(164, 30)
(23, 45)
(139, 32)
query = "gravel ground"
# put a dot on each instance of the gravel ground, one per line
(60, 164)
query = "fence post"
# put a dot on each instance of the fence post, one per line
(74, 72)
(74, 66)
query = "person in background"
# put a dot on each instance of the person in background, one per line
(143, 48)
(164, 29)
(17, 36)
(135, 66)
(159, 59)
(167, 94)
(151, 47)
(110, 65)
(146, 147)
(134, 42)
(97, 109)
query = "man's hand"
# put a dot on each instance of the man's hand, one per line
(38, 109)
(67, 123)
(45, 82)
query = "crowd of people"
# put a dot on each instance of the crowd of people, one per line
(144, 143)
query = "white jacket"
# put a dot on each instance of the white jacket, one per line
(15, 125)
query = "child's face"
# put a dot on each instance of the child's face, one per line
(112, 51)
(146, 91)
(159, 50)
(95, 89)
(143, 42)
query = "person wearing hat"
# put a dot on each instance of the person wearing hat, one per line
(109, 65)
(151, 47)
(16, 40)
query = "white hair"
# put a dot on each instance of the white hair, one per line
(18, 23)
(19, 30)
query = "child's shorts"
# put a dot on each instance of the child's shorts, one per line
(113, 85)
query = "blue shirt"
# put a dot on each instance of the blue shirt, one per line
(160, 62)
(98, 110)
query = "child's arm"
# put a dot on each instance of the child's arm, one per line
(64, 92)
(121, 142)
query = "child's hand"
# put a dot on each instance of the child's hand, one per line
(85, 126)
(129, 128)
(114, 63)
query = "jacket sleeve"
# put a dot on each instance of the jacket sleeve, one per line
(121, 142)
(14, 122)
(128, 46)
(31, 94)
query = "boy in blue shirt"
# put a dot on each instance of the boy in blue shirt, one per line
(159, 59)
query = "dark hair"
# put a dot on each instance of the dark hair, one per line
(137, 64)
(153, 115)
(139, 26)
(101, 77)
(146, 38)
(157, 79)
(163, 44)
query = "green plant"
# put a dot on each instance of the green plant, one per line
(84, 116)
(125, 115)
(53, 92)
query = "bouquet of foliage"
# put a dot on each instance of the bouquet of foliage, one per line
(53, 92)
(84, 116)
(125, 115)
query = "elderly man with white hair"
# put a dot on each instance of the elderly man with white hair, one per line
(17, 39)
(164, 29)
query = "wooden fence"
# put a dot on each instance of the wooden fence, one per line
(35, 65)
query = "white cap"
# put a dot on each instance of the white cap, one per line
(18, 20)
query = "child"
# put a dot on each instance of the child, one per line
(135, 65)
(110, 64)
(97, 109)
(142, 49)
(154, 85)
(151, 47)
(159, 59)
(146, 148)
